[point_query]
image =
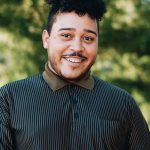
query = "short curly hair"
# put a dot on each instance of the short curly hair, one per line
(94, 8)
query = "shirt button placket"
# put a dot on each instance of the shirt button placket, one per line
(73, 104)
(76, 115)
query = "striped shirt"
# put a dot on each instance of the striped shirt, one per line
(34, 116)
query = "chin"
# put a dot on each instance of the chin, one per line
(70, 78)
(73, 77)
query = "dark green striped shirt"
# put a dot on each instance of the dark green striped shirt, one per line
(35, 117)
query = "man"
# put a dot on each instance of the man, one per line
(66, 108)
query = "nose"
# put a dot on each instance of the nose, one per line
(76, 45)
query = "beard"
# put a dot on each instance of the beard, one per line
(83, 75)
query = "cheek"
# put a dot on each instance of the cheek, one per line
(55, 53)
(57, 47)
(92, 52)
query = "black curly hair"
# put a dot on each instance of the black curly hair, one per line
(94, 8)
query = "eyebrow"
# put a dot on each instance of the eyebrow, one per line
(90, 31)
(73, 29)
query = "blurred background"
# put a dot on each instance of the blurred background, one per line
(124, 45)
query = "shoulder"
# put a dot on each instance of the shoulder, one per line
(106, 86)
(22, 84)
(116, 99)
(113, 92)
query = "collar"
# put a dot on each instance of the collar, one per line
(56, 82)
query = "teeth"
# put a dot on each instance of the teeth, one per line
(74, 60)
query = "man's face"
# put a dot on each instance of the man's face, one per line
(72, 45)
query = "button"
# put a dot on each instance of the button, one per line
(72, 89)
(74, 100)
(76, 115)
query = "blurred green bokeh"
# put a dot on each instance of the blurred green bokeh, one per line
(124, 45)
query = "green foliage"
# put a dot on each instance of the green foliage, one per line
(124, 41)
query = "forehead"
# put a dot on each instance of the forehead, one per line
(73, 20)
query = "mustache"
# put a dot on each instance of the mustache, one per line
(75, 54)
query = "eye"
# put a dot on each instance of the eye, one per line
(66, 36)
(88, 38)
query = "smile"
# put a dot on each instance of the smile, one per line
(74, 60)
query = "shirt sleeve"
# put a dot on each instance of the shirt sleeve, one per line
(139, 137)
(6, 141)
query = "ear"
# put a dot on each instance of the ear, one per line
(45, 39)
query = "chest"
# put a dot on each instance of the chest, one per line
(67, 120)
